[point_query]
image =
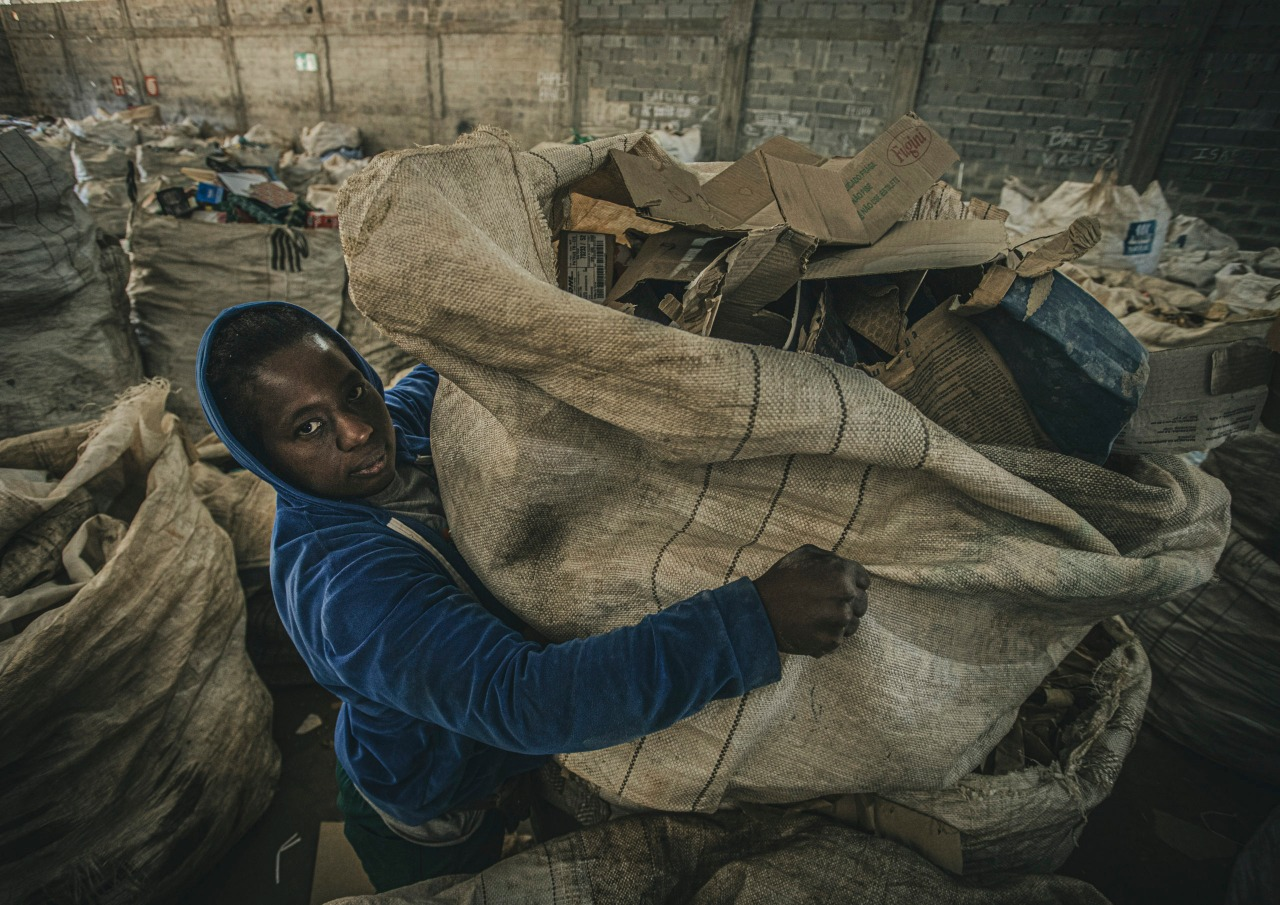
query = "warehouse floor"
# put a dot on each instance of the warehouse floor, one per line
(1168, 833)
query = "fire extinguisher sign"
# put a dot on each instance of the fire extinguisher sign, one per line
(151, 85)
(117, 85)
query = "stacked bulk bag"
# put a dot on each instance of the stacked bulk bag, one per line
(68, 346)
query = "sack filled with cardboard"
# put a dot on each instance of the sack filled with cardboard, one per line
(596, 467)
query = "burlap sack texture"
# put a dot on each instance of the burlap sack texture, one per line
(596, 468)
(184, 273)
(136, 741)
(728, 859)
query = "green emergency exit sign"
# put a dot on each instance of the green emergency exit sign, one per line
(305, 62)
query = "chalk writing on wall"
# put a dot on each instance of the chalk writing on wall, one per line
(1065, 148)
(767, 122)
(552, 87)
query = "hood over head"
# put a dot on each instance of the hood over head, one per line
(212, 412)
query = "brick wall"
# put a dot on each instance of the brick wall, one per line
(1043, 90)
(1222, 160)
(1043, 113)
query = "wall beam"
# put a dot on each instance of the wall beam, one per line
(910, 64)
(739, 28)
(1165, 91)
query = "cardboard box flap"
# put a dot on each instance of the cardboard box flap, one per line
(741, 191)
(889, 175)
(1197, 397)
(813, 200)
(677, 256)
(667, 191)
(764, 265)
(916, 245)
(607, 184)
(1239, 366)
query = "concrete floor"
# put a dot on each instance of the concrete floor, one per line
(1168, 834)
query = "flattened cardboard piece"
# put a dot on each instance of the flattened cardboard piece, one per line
(894, 171)
(854, 204)
(742, 191)
(951, 372)
(812, 200)
(585, 263)
(593, 215)
(1179, 411)
(916, 245)
(941, 202)
(666, 191)
(607, 183)
(766, 264)
(677, 256)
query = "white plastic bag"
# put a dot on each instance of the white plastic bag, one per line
(1133, 225)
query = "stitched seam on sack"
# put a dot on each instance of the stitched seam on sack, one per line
(773, 504)
(548, 163)
(551, 872)
(529, 211)
(724, 749)
(857, 507)
(653, 575)
(755, 405)
(924, 454)
(635, 755)
(844, 408)
(737, 717)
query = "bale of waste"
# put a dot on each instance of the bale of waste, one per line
(136, 738)
(68, 346)
(729, 859)
(325, 137)
(185, 272)
(1215, 650)
(568, 434)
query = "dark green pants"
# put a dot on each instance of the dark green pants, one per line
(392, 861)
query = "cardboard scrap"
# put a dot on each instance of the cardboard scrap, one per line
(1198, 396)
(915, 245)
(852, 202)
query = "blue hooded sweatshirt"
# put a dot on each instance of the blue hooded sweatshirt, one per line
(442, 697)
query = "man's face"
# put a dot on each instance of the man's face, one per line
(324, 427)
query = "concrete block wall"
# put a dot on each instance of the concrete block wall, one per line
(1185, 91)
(1222, 159)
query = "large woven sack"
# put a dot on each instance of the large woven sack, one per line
(597, 467)
(1215, 651)
(729, 859)
(1029, 821)
(136, 739)
(185, 272)
(68, 347)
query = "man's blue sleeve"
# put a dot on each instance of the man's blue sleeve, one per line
(410, 400)
(417, 643)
